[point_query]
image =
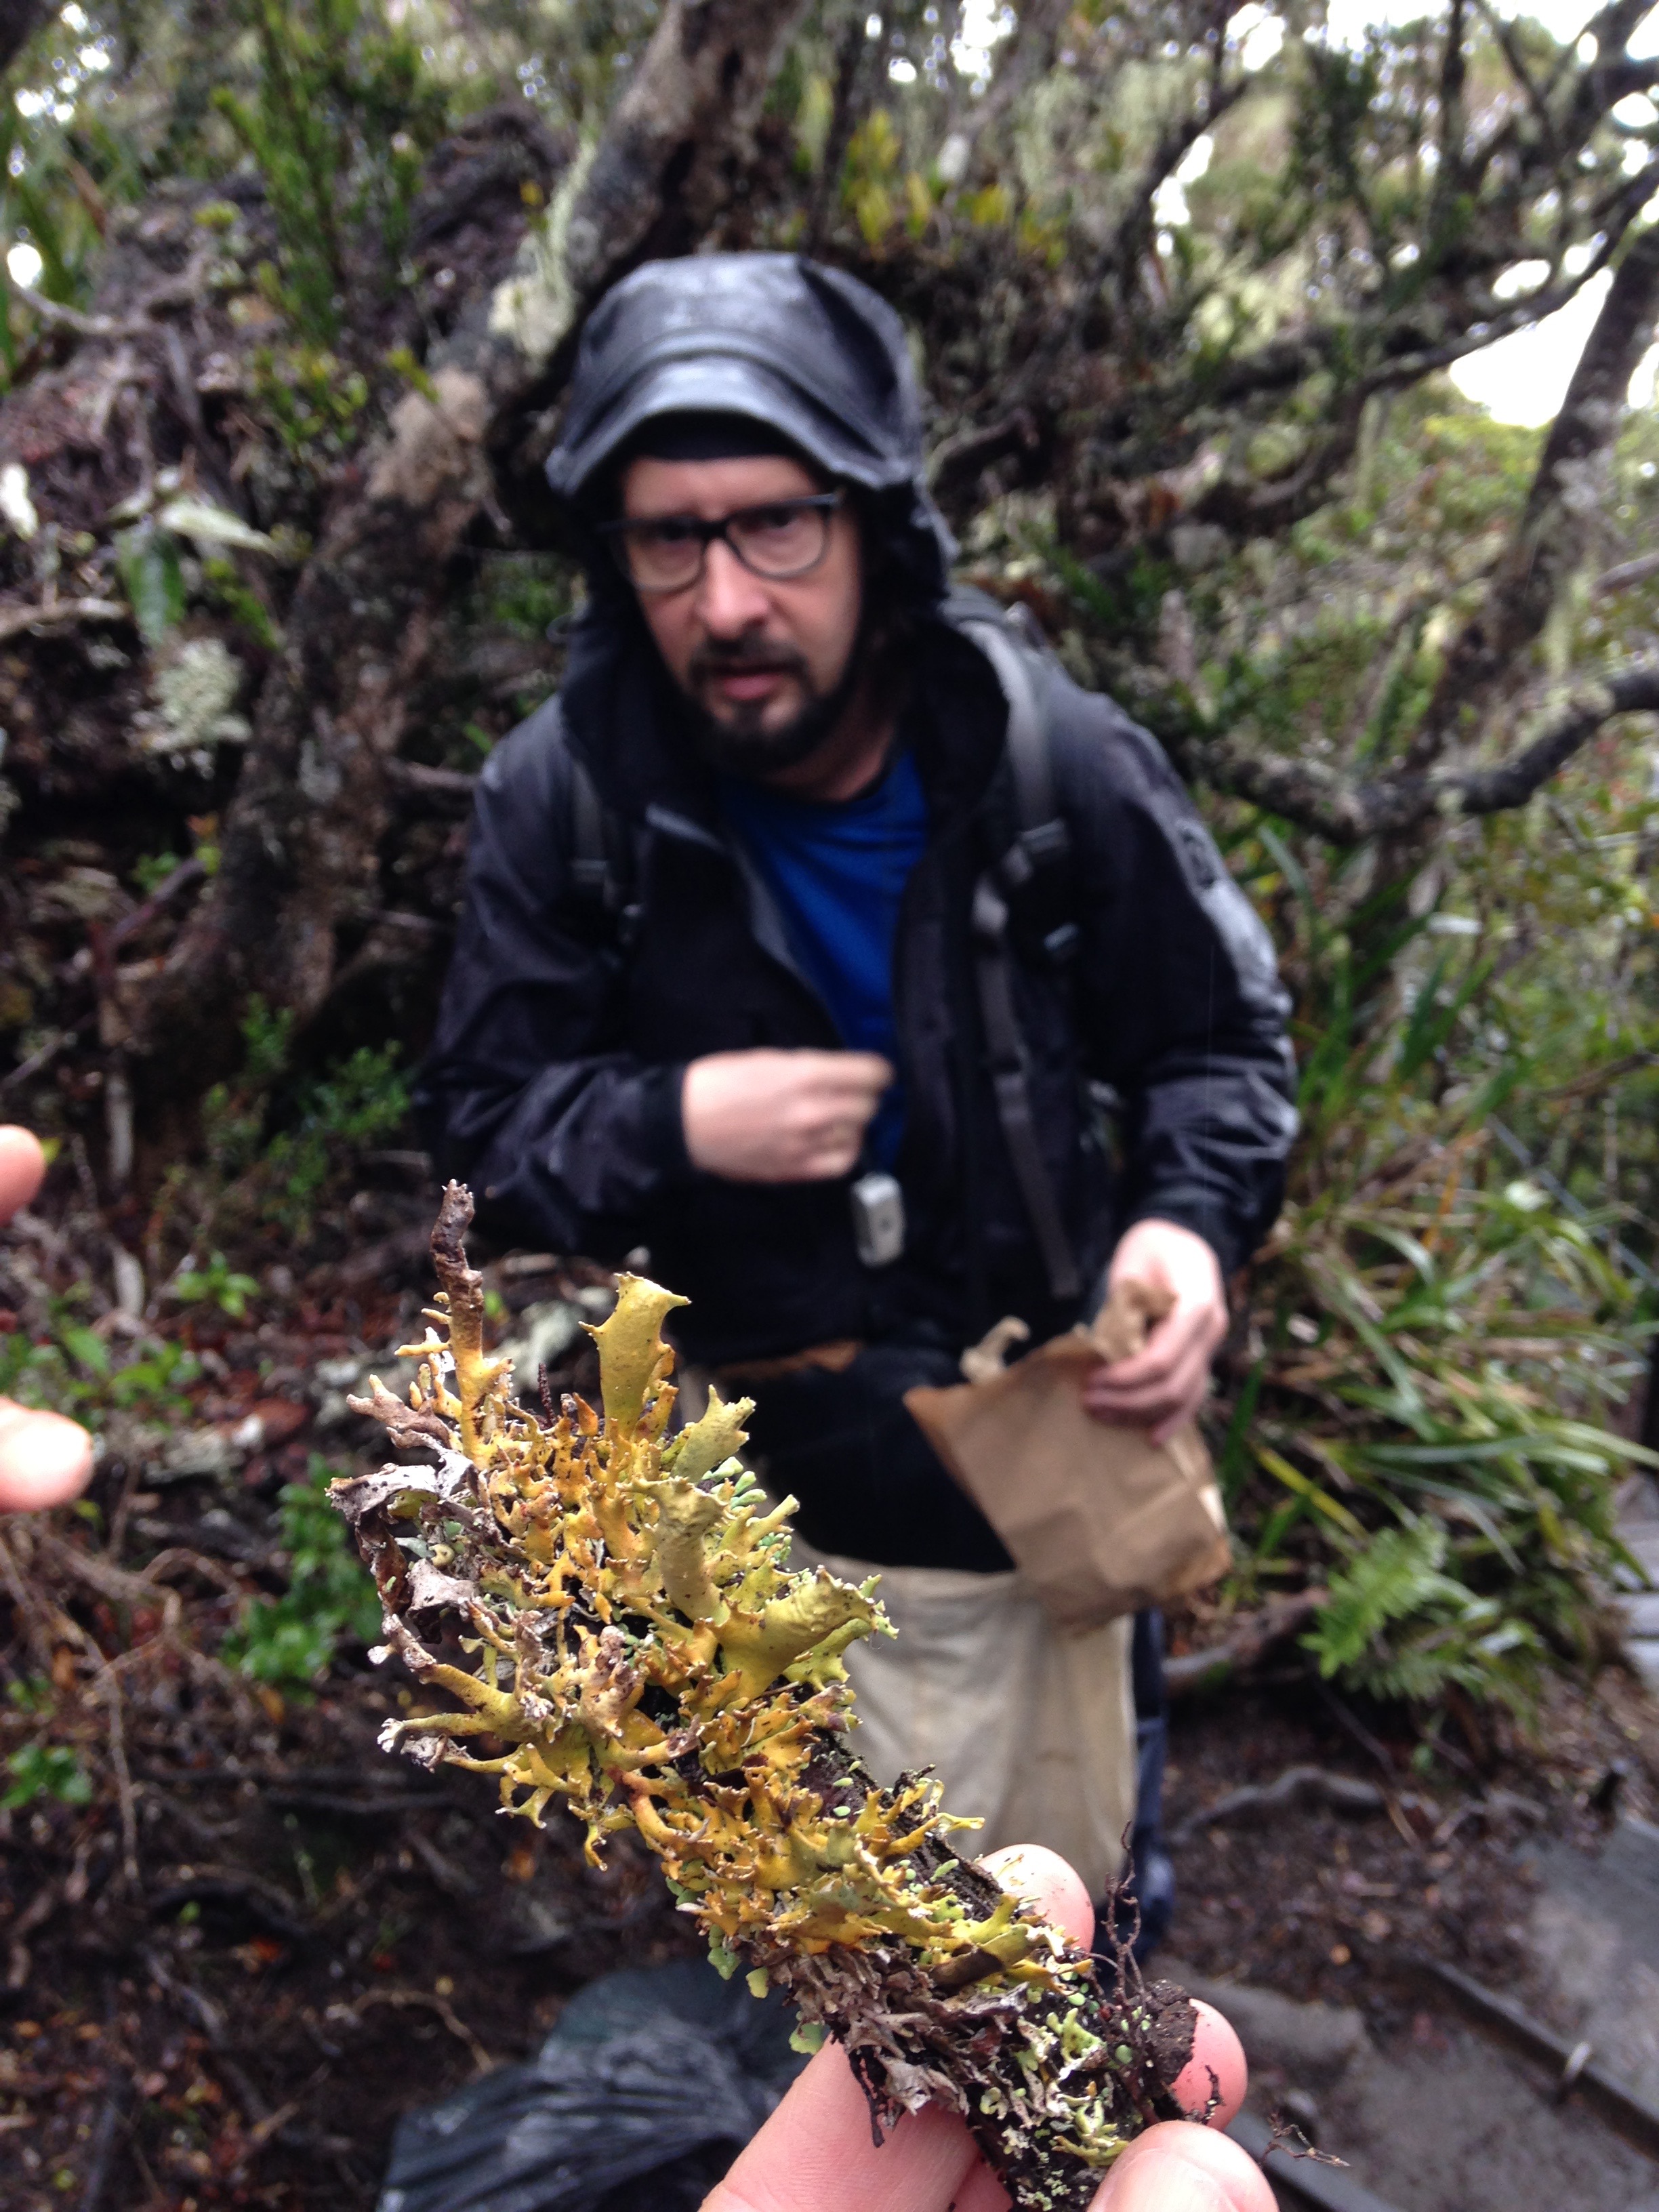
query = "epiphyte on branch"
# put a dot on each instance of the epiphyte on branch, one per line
(622, 1632)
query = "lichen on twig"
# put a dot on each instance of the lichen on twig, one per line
(609, 1607)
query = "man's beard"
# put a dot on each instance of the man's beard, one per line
(739, 743)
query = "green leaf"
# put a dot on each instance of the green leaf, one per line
(148, 560)
(207, 524)
(45, 1770)
(86, 1347)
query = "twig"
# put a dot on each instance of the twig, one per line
(28, 1612)
(61, 615)
(350, 2014)
(111, 1689)
(1252, 1638)
(1640, 571)
(101, 2152)
(116, 1583)
(181, 878)
(40, 1908)
(44, 1055)
(211, 2021)
(183, 290)
(1352, 1725)
(1343, 1793)
(436, 782)
(264, 1901)
(72, 318)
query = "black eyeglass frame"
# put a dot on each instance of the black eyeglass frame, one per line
(614, 535)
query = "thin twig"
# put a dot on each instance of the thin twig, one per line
(46, 1054)
(101, 2152)
(110, 1687)
(61, 615)
(1345, 1793)
(350, 2014)
(211, 2021)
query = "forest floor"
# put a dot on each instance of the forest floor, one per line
(230, 1966)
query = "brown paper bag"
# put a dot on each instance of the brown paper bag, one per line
(1100, 1521)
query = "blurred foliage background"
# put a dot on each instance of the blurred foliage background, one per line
(1186, 283)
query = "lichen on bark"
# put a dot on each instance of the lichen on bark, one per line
(622, 1632)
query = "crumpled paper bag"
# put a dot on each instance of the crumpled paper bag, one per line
(1099, 1520)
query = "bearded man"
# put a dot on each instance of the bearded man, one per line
(720, 990)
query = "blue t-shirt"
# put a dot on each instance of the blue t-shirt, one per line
(838, 872)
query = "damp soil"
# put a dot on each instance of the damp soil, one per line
(1325, 1903)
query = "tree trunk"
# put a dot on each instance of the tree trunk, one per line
(303, 831)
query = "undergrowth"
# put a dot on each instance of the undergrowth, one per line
(1439, 1349)
(281, 1148)
(290, 1641)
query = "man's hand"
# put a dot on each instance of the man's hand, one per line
(768, 1116)
(1164, 1384)
(815, 2153)
(44, 1459)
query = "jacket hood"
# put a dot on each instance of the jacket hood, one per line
(777, 339)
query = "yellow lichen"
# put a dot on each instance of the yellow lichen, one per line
(644, 1652)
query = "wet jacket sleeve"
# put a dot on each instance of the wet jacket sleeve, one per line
(565, 1139)
(1180, 1003)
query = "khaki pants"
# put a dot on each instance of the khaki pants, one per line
(1032, 1731)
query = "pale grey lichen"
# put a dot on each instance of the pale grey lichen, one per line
(195, 689)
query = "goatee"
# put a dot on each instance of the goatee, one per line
(742, 744)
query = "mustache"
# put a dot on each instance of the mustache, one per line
(727, 656)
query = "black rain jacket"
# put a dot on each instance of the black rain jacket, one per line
(1161, 1076)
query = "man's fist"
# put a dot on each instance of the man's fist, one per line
(768, 1116)
(1164, 1384)
(44, 1459)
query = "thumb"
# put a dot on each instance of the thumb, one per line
(1177, 2167)
(22, 1164)
(44, 1459)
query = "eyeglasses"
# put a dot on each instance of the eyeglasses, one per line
(667, 552)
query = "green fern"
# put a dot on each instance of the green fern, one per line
(1455, 1637)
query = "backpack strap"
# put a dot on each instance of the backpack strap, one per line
(601, 867)
(1042, 840)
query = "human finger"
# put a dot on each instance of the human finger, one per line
(45, 1460)
(1191, 1327)
(1050, 1882)
(1143, 1403)
(1216, 2069)
(1177, 2167)
(826, 1162)
(816, 2153)
(22, 1168)
(849, 1074)
(1047, 1881)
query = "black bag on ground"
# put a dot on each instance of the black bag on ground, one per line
(638, 2101)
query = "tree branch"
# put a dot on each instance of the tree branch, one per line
(1549, 539)
(677, 137)
(1348, 813)
(316, 791)
(1641, 570)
